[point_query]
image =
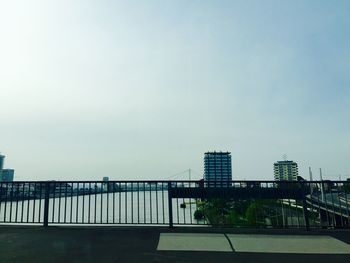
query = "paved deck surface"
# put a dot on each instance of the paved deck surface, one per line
(194, 242)
(310, 244)
(139, 244)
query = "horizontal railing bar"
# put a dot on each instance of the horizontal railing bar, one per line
(180, 181)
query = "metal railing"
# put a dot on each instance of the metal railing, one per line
(269, 204)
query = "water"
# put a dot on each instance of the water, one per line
(144, 207)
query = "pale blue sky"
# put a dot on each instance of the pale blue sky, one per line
(141, 89)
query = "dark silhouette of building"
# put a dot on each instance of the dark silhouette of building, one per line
(217, 169)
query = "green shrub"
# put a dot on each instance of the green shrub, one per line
(198, 214)
(233, 218)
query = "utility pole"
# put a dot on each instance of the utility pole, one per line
(189, 174)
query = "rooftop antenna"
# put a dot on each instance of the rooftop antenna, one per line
(285, 157)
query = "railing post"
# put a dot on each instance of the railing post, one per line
(170, 205)
(46, 204)
(306, 212)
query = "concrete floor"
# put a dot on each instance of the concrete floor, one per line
(193, 242)
(139, 244)
(310, 244)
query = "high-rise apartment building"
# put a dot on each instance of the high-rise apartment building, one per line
(285, 171)
(217, 169)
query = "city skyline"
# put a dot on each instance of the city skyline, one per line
(198, 176)
(140, 91)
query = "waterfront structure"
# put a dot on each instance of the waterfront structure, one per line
(6, 175)
(285, 171)
(217, 169)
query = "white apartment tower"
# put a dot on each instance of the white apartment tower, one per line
(285, 171)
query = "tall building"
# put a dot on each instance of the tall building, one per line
(285, 171)
(217, 169)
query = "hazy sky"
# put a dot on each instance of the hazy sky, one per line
(141, 89)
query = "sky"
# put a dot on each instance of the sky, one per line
(139, 90)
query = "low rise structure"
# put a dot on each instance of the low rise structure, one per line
(6, 175)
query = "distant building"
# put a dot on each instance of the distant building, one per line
(58, 187)
(6, 175)
(105, 183)
(285, 171)
(2, 158)
(217, 169)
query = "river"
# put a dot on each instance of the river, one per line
(144, 207)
